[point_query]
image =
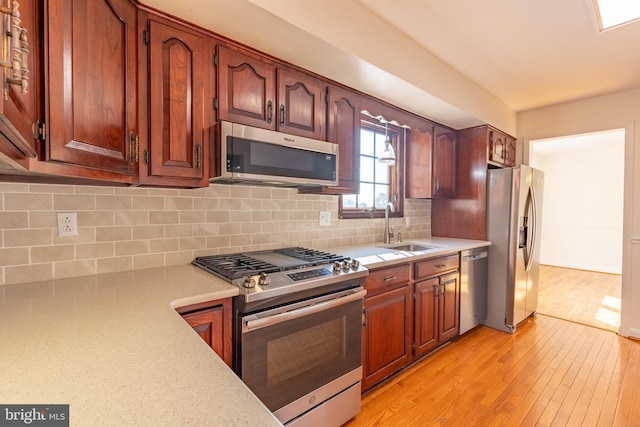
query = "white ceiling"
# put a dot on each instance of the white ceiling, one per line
(460, 62)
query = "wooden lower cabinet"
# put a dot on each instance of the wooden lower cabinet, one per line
(426, 312)
(437, 312)
(212, 321)
(404, 319)
(386, 339)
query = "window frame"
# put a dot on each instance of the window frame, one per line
(397, 135)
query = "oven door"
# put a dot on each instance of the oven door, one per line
(297, 356)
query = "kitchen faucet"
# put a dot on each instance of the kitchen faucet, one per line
(388, 231)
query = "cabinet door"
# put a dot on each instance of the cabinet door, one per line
(246, 89)
(449, 306)
(91, 77)
(418, 163)
(387, 334)
(510, 152)
(177, 143)
(444, 162)
(18, 110)
(496, 146)
(302, 105)
(208, 324)
(426, 315)
(344, 130)
(212, 321)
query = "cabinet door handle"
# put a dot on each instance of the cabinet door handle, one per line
(437, 184)
(364, 317)
(281, 114)
(436, 289)
(133, 148)
(269, 111)
(386, 279)
(198, 156)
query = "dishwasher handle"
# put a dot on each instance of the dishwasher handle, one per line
(473, 257)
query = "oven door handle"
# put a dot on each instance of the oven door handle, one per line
(254, 324)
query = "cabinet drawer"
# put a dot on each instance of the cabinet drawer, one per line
(386, 278)
(436, 266)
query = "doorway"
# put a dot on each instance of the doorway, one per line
(581, 248)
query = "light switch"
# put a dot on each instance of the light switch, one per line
(325, 218)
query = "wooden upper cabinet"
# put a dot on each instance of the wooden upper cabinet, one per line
(254, 92)
(343, 128)
(510, 151)
(496, 146)
(343, 111)
(430, 163)
(18, 110)
(302, 105)
(502, 148)
(246, 89)
(91, 77)
(178, 140)
(444, 162)
(418, 172)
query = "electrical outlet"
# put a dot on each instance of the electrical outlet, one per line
(325, 218)
(67, 224)
(407, 221)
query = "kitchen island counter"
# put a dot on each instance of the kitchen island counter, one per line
(113, 347)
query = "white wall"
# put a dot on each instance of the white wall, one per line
(613, 111)
(583, 200)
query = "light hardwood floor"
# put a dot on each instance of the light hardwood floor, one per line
(551, 372)
(581, 296)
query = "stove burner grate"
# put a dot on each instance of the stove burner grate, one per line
(234, 266)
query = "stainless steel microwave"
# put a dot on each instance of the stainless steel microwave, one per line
(259, 156)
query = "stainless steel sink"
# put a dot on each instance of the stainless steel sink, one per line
(410, 247)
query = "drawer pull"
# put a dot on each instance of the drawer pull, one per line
(386, 279)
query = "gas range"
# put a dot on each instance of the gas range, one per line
(267, 274)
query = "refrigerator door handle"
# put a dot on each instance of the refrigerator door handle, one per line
(534, 226)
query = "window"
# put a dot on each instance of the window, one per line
(379, 183)
(613, 13)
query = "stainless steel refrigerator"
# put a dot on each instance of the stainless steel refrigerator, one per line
(514, 211)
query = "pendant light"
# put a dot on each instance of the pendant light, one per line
(388, 156)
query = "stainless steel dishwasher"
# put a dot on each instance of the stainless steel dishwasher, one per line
(474, 270)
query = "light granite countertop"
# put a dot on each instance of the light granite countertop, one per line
(378, 255)
(113, 347)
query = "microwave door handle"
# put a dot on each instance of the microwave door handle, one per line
(301, 312)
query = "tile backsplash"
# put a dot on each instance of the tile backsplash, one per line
(122, 229)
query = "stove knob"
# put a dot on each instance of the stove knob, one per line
(264, 279)
(336, 267)
(355, 264)
(249, 282)
(346, 265)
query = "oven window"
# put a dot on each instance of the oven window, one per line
(317, 346)
(283, 362)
